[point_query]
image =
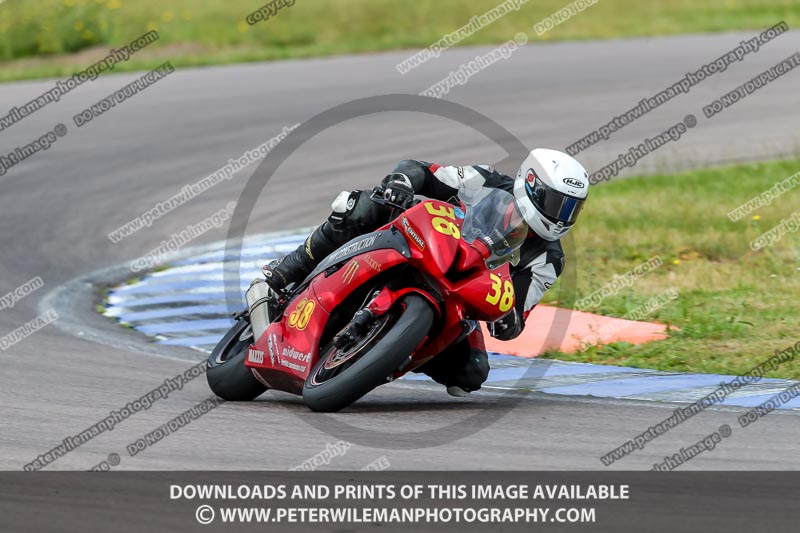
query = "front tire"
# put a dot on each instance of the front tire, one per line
(328, 389)
(227, 376)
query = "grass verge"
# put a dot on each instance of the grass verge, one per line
(59, 37)
(736, 306)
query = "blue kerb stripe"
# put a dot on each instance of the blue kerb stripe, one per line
(131, 316)
(758, 399)
(211, 340)
(636, 386)
(194, 288)
(183, 327)
(127, 303)
(561, 369)
(167, 286)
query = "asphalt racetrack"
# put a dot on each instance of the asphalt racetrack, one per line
(58, 207)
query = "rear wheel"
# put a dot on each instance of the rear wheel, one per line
(227, 376)
(342, 376)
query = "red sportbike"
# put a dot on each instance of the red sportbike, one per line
(380, 306)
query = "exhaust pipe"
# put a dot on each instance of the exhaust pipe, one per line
(257, 297)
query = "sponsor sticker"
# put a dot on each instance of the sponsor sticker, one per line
(375, 265)
(350, 271)
(272, 343)
(353, 248)
(293, 366)
(255, 356)
(415, 238)
(292, 353)
(302, 314)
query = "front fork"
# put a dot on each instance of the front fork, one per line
(361, 323)
(382, 300)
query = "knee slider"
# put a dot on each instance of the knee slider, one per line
(343, 206)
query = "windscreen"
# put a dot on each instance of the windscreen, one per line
(492, 216)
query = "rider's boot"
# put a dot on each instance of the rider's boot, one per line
(295, 266)
(353, 214)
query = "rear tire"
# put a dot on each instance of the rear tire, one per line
(381, 358)
(227, 376)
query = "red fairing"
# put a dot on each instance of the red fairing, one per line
(290, 347)
(460, 287)
(458, 267)
(434, 235)
(332, 290)
(468, 288)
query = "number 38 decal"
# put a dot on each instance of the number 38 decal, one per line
(301, 314)
(502, 293)
(440, 221)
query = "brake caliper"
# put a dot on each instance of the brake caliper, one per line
(360, 323)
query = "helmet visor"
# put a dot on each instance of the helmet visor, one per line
(555, 205)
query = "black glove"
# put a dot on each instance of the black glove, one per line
(507, 328)
(397, 189)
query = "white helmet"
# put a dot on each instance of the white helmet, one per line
(551, 188)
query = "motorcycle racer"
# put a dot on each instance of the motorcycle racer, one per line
(550, 188)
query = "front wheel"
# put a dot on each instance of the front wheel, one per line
(227, 376)
(343, 376)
